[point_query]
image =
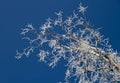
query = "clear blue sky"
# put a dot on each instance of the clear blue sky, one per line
(16, 14)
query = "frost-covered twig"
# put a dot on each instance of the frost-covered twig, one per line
(89, 56)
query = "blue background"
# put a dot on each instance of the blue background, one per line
(16, 14)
